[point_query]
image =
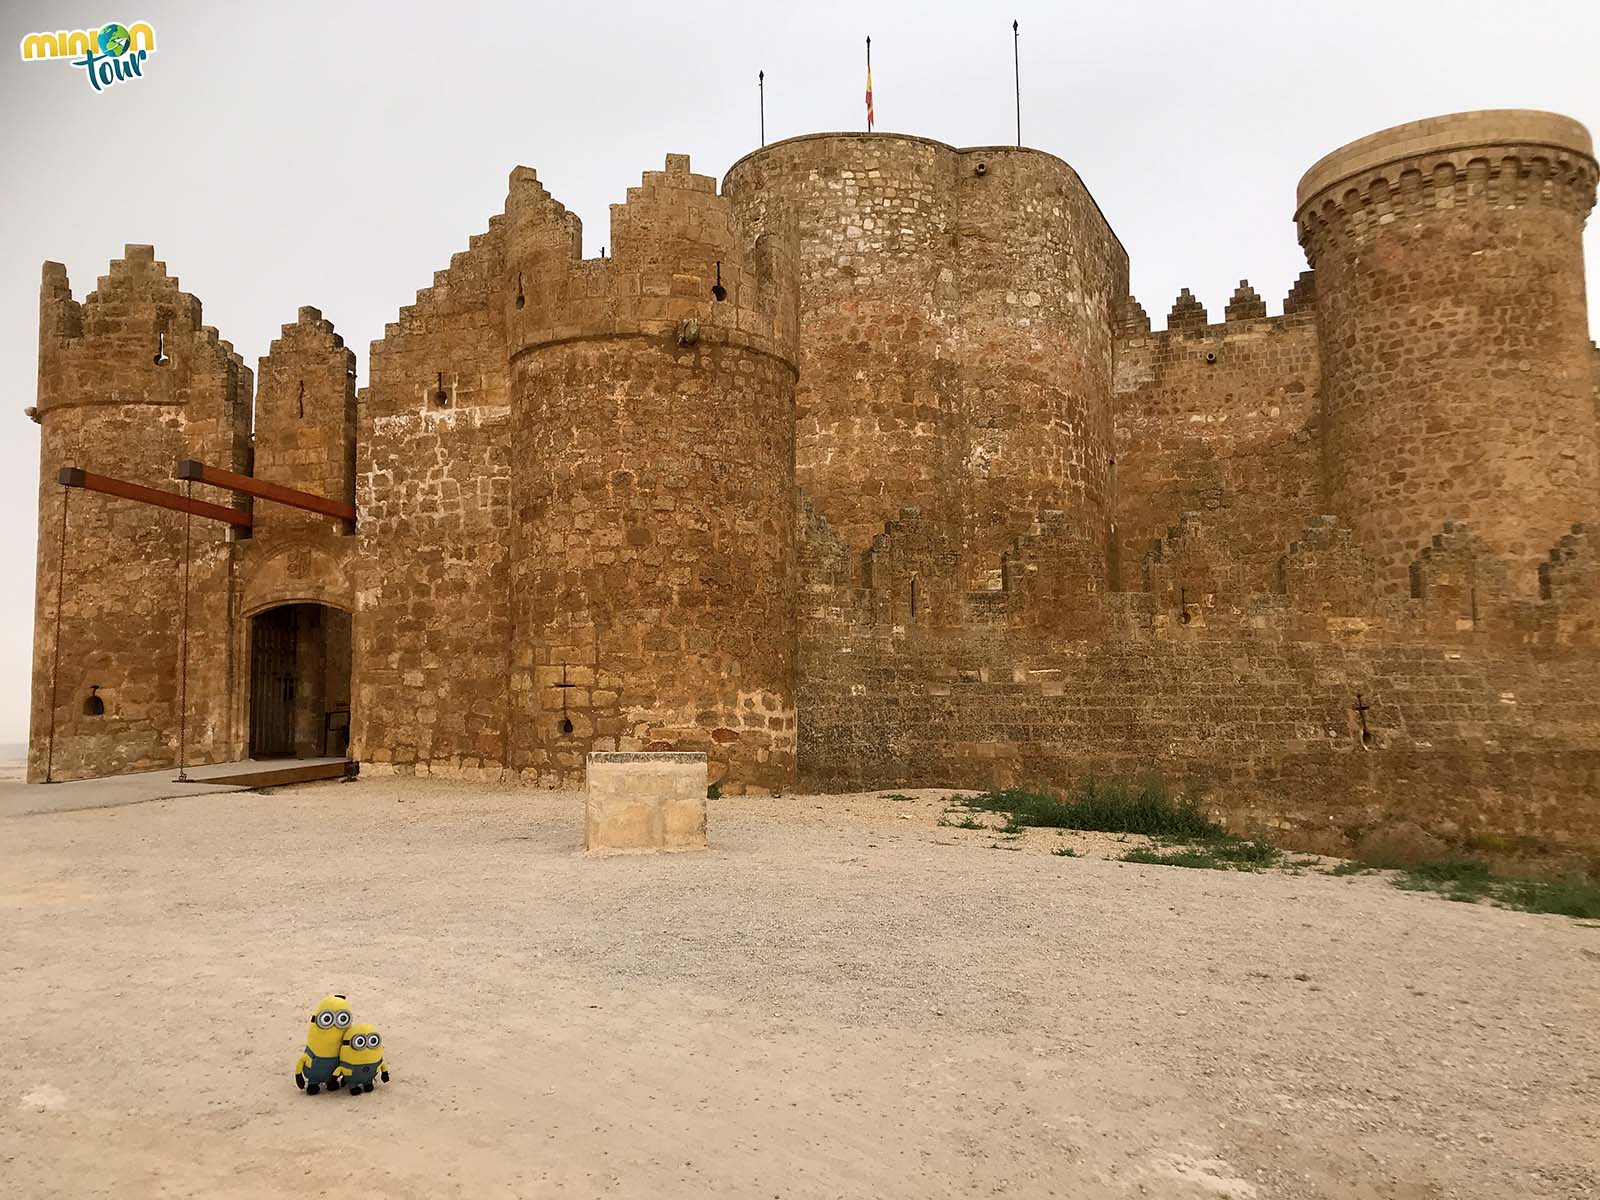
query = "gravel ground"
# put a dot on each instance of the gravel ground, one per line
(842, 998)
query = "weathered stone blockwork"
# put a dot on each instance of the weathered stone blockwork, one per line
(107, 405)
(866, 471)
(956, 312)
(1454, 330)
(1222, 420)
(576, 481)
(655, 572)
(434, 619)
(305, 421)
(1254, 693)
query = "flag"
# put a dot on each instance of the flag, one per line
(869, 85)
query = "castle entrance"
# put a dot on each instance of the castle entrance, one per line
(299, 682)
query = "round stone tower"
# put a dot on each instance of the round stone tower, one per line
(130, 381)
(653, 487)
(955, 334)
(1456, 366)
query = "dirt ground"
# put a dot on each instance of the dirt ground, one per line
(843, 999)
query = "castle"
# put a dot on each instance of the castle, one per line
(866, 470)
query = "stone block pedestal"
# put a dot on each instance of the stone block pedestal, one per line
(643, 801)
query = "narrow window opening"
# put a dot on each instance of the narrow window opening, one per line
(521, 299)
(1183, 606)
(440, 396)
(718, 292)
(301, 399)
(94, 706)
(566, 725)
(161, 358)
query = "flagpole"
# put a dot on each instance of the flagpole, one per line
(1016, 65)
(869, 83)
(761, 85)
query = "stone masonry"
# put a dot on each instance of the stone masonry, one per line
(864, 470)
(1457, 371)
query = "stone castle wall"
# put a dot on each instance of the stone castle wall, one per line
(1480, 715)
(574, 482)
(433, 627)
(1223, 420)
(867, 472)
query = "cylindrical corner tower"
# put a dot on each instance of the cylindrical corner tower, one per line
(955, 334)
(1455, 348)
(130, 381)
(653, 495)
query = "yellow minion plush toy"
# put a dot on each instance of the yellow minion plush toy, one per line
(318, 1062)
(361, 1058)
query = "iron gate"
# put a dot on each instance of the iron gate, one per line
(272, 673)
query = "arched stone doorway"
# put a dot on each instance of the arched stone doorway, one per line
(299, 681)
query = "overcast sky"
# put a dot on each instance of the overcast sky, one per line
(337, 154)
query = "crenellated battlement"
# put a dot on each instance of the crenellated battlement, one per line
(1220, 418)
(311, 339)
(682, 268)
(483, 255)
(911, 546)
(1189, 568)
(104, 349)
(1494, 159)
(1189, 318)
(310, 324)
(135, 291)
(1132, 321)
(1302, 297)
(137, 270)
(1187, 314)
(1496, 177)
(1245, 304)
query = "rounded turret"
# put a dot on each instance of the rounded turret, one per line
(1456, 361)
(653, 424)
(130, 381)
(956, 334)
